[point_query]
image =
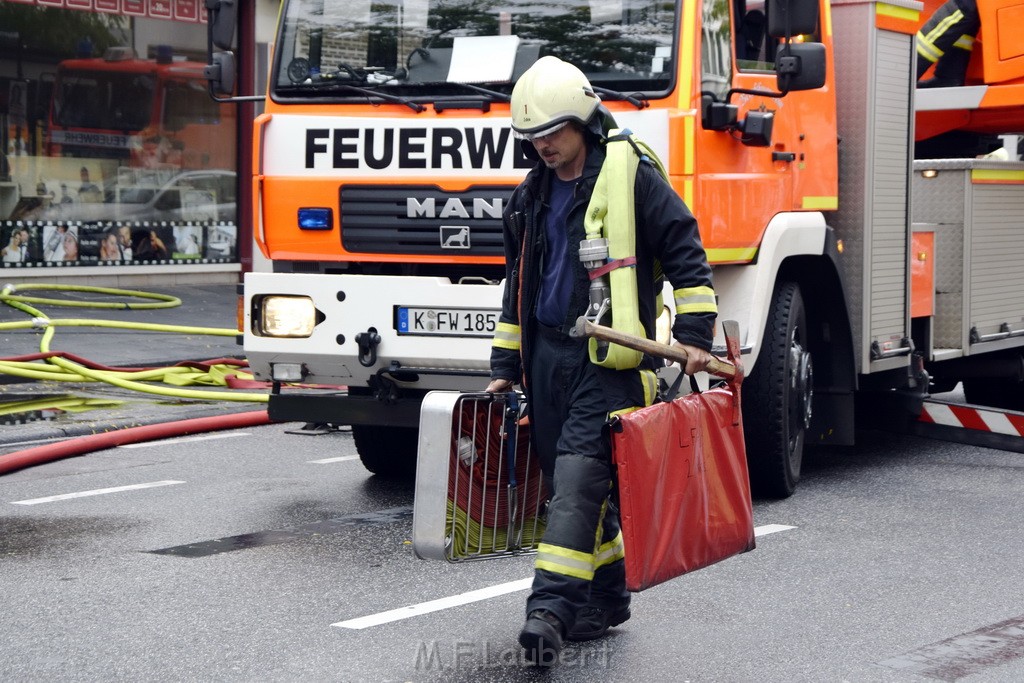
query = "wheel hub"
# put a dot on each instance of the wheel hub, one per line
(802, 384)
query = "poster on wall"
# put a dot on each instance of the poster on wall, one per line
(105, 243)
(160, 9)
(20, 244)
(90, 241)
(133, 8)
(60, 243)
(188, 242)
(154, 243)
(186, 10)
(222, 242)
(112, 243)
(181, 10)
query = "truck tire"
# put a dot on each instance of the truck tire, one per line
(389, 452)
(1005, 394)
(777, 397)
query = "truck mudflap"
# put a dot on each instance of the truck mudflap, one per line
(970, 424)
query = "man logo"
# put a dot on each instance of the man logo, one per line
(455, 237)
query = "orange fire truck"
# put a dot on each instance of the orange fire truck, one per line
(145, 113)
(384, 158)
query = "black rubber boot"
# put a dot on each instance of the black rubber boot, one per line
(593, 622)
(542, 637)
(950, 70)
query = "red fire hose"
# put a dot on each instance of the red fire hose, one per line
(96, 442)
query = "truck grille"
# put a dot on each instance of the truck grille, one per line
(424, 220)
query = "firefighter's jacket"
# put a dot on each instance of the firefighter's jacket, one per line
(665, 229)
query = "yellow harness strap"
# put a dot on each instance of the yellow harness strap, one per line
(611, 214)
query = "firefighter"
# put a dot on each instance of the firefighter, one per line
(579, 589)
(946, 40)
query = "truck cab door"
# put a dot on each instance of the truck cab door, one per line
(737, 186)
(779, 152)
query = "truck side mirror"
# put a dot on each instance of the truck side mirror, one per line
(788, 18)
(800, 66)
(717, 115)
(221, 73)
(222, 19)
(756, 129)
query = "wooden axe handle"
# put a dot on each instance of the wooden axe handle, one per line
(585, 328)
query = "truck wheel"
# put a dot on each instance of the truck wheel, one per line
(387, 451)
(777, 397)
(1004, 394)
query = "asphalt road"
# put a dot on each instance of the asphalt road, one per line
(258, 555)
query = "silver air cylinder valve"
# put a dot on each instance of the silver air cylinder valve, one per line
(593, 255)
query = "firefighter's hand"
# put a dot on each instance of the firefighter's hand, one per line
(697, 359)
(498, 386)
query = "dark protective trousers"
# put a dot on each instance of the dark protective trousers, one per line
(947, 39)
(579, 560)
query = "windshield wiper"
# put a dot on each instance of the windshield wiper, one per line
(325, 84)
(302, 76)
(494, 94)
(443, 102)
(636, 99)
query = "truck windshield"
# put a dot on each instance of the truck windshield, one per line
(104, 100)
(424, 49)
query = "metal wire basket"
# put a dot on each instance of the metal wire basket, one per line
(479, 490)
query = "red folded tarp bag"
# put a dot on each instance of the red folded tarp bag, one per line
(684, 492)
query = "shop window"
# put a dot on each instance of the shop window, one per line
(109, 156)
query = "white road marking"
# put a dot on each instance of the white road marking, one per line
(477, 595)
(342, 458)
(435, 605)
(184, 439)
(95, 492)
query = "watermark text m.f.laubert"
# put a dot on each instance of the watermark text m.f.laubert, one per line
(464, 655)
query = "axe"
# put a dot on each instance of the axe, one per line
(731, 371)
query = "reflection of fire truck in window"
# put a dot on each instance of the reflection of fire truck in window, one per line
(144, 113)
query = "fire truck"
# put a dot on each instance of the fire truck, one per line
(384, 158)
(144, 113)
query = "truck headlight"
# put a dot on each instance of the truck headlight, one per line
(286, 316)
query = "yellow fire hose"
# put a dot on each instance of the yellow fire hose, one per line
(56, 368)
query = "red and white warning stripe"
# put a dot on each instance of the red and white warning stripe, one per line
(971, 417)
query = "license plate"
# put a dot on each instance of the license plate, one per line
(451, 322)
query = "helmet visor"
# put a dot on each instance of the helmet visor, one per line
(543, 132)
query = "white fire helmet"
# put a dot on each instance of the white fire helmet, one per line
(549, 95)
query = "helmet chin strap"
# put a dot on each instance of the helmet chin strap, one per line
(601, 122)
